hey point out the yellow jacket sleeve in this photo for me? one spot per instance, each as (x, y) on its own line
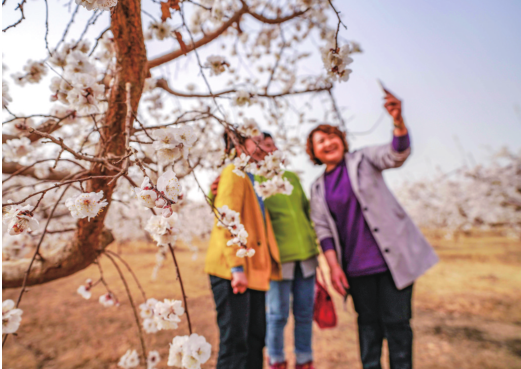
(231, 192)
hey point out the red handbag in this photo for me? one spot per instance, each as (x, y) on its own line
(324, 311)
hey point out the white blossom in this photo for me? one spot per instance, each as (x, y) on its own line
(147, 308)
(6, 97)
(176, 352)
(97, 4)
(163, 230)
(189, 352)
(273, 186)
(168, 185)
(153, 359)
(107, 300)
(146, 194)
(16, 149)
(86, 205)
(20, 220)
(84, 291)
(228, 217)
(242, 98)
(241, 164)
(150, 325)
(249, 128)
(216, 64)
(34, 72)
(78, 62)
(129, 360)
(11, 317)
(241, 253)
(186, 137)
(167, 313)
(335, 61)
(160, 30)
(240, 236)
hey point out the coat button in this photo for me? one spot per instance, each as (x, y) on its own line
(365, 208)
(387, 250)
(375, 230)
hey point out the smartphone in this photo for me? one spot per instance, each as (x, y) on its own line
(386, 91)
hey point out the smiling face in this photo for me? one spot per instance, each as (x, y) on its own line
(328, 148)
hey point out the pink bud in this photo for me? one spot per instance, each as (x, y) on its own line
(160, 202)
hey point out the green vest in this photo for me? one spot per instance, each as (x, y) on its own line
(291, 222)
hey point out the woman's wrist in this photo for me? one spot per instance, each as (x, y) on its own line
(399, 127)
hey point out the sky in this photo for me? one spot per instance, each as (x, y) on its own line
(455, 65)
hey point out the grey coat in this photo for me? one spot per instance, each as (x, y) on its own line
(406, 252)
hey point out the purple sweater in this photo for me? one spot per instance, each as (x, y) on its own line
(360, 252)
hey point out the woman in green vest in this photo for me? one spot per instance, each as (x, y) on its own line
(298, 250)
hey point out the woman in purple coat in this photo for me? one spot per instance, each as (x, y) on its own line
(374, 250)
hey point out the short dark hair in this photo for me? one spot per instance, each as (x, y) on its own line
(329, 129)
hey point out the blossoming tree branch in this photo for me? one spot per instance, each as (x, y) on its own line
(112, 160)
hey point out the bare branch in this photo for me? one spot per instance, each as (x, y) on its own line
(16, 169)
(182, 287)
(68, 26)
(338, 25)
(162, 83)
(21, 7)
(278, 20)
(132, 305)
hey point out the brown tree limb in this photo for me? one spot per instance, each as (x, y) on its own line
(277, 20)
(60, 262)
(163, 84)
(16, 169)
(209, 37)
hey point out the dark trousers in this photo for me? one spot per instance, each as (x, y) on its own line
(242, 326)
(383, 312)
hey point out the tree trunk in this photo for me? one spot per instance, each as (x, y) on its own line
(90, 238)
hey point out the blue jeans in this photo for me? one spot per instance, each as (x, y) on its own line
(278, 303)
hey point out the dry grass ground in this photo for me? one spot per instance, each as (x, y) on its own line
(467, 313)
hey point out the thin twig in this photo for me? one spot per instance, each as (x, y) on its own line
(68, 26)
(47, 26)
(338, 25)
(56, 186)
(21, 7)
(97, 40)
(337, 111)
(131, 272)
(133, 306)
(182, 288)
(277, 62)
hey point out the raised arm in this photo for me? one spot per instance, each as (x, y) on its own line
(394, 155)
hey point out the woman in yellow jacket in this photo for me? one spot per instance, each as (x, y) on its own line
(239, 284)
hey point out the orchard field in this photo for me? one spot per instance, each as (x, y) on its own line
(467, 312)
